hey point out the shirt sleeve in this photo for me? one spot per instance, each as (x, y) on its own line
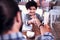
(39, 17)
(47, 36)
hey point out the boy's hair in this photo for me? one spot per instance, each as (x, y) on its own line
(8, 10)
(31, 3)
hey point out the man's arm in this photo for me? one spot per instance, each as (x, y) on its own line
(46, 33)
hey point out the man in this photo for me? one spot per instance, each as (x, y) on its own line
(10, 21)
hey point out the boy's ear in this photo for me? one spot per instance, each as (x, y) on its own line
(18, 17)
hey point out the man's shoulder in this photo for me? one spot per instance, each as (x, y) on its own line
(46, 36)
(13, 36)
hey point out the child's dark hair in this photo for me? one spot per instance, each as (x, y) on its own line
(31, 3)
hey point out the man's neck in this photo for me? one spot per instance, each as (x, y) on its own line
(10, 32)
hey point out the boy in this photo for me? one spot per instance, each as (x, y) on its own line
(29, 18)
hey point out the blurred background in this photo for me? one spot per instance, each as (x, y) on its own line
(49, 9)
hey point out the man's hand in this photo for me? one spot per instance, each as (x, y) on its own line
(44, 29)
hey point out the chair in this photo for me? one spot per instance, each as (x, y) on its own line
(54, 15)
(55, 22)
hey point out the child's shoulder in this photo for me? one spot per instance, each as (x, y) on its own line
(37, 14)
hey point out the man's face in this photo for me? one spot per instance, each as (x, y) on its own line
(18, 21)
(31, 10)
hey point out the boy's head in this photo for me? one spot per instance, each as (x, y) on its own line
(31, 6)
(10, 16)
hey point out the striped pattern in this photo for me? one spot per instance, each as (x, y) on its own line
(14, 36)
